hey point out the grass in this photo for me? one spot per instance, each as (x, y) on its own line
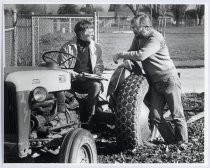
(186, 45)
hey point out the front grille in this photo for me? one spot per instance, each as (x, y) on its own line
(10, 109)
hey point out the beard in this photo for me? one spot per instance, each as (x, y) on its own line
(139, 35)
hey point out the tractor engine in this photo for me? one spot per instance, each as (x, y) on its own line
(52, 112)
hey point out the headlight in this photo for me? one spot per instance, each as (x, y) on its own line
(40, 94)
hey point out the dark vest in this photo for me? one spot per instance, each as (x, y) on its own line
(84, 56)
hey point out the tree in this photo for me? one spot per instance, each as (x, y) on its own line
(191, 14)
(88, 9)
(68, 9)
(114, 7)
(8, 11)
(99, 8)
(135, 8)
(200, 13)
(155, 11)
(178, 11)
(28, 9)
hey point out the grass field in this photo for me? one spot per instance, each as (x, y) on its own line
(186, 46)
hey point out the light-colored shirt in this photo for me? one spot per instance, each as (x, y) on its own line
(153, 52)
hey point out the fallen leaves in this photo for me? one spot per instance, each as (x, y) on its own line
(160, 152)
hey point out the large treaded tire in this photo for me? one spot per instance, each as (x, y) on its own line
(132, 126)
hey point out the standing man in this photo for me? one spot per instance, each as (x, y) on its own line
(149, 47)
(90, 55)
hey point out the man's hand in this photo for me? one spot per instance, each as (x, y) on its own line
(81, 77)
(115, 58)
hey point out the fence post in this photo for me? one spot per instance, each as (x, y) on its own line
(32, 39)
(151, 13)
(96, 27)
(15, 37)
(164, 30)
(159, 25)
(69, 25)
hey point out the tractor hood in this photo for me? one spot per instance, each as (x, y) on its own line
(28, 78)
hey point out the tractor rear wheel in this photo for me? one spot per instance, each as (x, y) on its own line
(132, 127)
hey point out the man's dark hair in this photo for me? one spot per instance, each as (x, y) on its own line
(82, 26)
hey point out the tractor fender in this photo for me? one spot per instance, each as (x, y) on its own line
(121, 73)
(117, 79)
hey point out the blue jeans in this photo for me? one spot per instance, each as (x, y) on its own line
(168, 91)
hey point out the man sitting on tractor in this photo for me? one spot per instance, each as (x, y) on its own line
(89, 56)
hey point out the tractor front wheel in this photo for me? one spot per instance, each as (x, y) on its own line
(78, 147)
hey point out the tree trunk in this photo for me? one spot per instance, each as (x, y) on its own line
(177, 22)
(200, 21)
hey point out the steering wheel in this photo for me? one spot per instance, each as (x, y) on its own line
(53, 56)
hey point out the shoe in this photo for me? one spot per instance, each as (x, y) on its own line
(182, 145)
(149, 144)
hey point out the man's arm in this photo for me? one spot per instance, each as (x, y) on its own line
(150, 48)
(99, 68)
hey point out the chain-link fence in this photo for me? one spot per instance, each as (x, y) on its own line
(27, 37)
(161, 24)
(51, 32)
(34, 34)
(123, 24)
(24, 40)
(9, 40)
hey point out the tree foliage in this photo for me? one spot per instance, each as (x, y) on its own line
(200, 12)
(153, 8)
(114, 7)
(191, 14)
(8, 11)
(135, 8)
(99, 8)
(178, 11)
(88, 9)
(155, 11)
(68, 9)
(28, 9)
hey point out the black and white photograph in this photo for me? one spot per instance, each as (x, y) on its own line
(104, 84)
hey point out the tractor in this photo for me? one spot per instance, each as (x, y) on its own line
(43, 113)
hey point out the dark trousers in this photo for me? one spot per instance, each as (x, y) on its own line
(90, 87)
(169, 91)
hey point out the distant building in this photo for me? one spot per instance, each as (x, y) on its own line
(169, 18)
(109, 19)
